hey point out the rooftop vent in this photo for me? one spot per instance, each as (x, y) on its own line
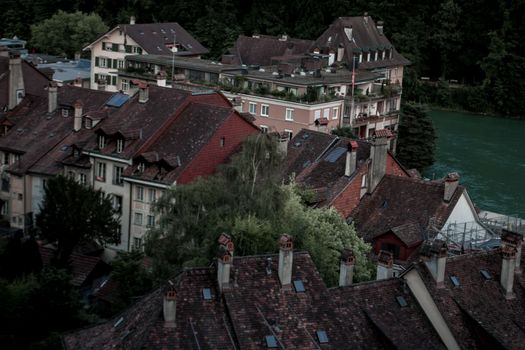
(299, 286)
(454, 280)
(322, 337)
(401, 301)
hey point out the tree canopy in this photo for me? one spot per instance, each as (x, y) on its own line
(72, 213)
(417, 139)
(247, 199)
(66, 33)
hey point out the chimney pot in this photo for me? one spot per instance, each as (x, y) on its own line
(285, 260)
(169, 308)
(224, 262)
(52, 90)
(435, 255)
(451, 184)
(346, 271)
(385, 261)
(378, 155)
(143, 92)
(77, 123)
(508, 265)
(132, 20)
(16, 80)
(351, 158)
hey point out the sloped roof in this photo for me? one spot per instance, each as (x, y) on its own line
(259, 50)
(397, 201)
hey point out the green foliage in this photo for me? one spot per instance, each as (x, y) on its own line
(72, 213)
(132, 277)
(417, 139)
(344, 131)
(246, 198)
(66, 33)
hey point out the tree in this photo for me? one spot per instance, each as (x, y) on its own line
(344, 131)
(72, 213)
(132, 277)
(66, 33)
(246, 198)
(447, 36)
(417, 138)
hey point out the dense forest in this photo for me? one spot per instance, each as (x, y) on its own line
(470, 49)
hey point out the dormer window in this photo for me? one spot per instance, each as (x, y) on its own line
(88, 123)
(120, 145)
(101, 141)
(65, 112)
(141, 167)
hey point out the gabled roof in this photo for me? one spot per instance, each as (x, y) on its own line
(358, 34)
(260, 49)
(398, 201)
(153, 38)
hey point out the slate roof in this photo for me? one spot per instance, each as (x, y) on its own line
(398, 201)
(365, 37)
(261, 49)
(153, 37)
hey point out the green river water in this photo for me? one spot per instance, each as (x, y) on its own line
(489, 155)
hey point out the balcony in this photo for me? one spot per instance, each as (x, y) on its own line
(364, 119)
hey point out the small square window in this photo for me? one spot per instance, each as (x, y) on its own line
(265, 110)
(206, 293)
(289, 114)
(271, 342)
(322, 337)
(253, 108)
(264, 129)
(299, 286)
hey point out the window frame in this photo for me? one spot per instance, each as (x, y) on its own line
(263, 107)
(138, 219)
(254, 105)
(289, 114)
(101, 171)
(117, 175)
(139, 193)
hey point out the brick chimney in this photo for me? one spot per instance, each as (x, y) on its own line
(451, 184)
(516, 240)
(77, 124)
(16, 80)
(169, 308)
(434, 253)
(346, 271)
(385, 260)
(508, 265)
(52, 93)
(224, 261)
(285, 260)
(351, 158)
(143, 92)
(377, 169)
(161, 78)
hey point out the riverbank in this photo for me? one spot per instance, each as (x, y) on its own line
(489, 154)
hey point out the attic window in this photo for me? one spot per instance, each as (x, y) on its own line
(454, 280)
(65, 112)
(401, 301)
(271, 342)
(88, 123)
(206, 293)
(299, 286)
(322, 337)
(141, 167)
(120, 145)
(101, 141)
(486, 275)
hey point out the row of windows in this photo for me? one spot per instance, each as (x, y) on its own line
(139, 220)
(121, 48)
(375, 56)
(105, 62)
(152, 194)
(102, 142)
(290, 112)
(108, 79)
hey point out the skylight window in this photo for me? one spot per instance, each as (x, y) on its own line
(401, 301)
(486, 275)
(271, 342)
(299, 286)
(322, 337)
(454, 280)
(206, 293)
(334, 155)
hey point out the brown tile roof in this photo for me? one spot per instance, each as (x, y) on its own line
(398, 201)
(365, 37)
(260, 50)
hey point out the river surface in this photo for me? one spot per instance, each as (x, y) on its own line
(489, 155)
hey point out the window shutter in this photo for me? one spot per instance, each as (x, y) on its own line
(96, 62)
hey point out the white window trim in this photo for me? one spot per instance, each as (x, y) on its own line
(289, 114)
(265, 114)
(254, 105)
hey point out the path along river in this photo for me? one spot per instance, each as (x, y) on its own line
(489, 155)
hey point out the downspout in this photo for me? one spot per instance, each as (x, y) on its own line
(129, 216)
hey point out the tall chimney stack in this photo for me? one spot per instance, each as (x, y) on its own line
(385, 261)
(52, 92)
(516, 240)
(169, 308)
(346, 271)
(451, 184)
(351, 158)
(143, 92)
(378, 154)
(508, 264)
(77, 124)
(285, 260)
(224, 261)
(379, 26)
(435, 255)
(16, 80)
(132, 20)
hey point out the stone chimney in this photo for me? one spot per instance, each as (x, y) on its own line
(16, 80)
(161, 78)
(52, 93)
(508, 265)
(451, 184)
(169, 308)
(380, 27)
(351, 158)
(331, 57)
(132, 20)
(340, 53)
(516, 240)
(434, 253)
(224, 261)
(377, 169)
(101, 84)
(77, 125)
(346, 272)
(385, 260)
(285, 260)
(143, 92)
